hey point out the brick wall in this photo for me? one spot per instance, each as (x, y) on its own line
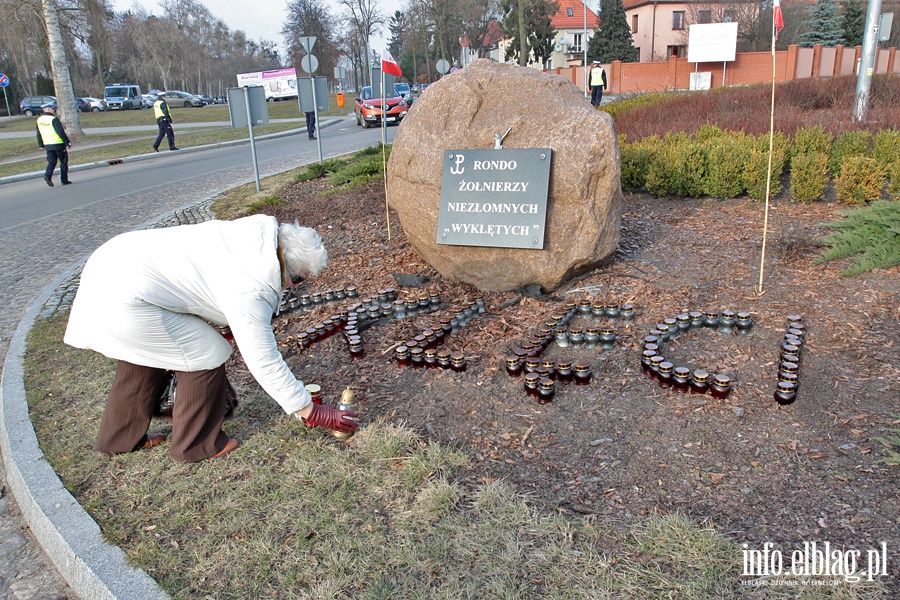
(747, 68)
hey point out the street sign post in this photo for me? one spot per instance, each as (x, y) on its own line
(4, 82)
(310, 63)
(247, 106)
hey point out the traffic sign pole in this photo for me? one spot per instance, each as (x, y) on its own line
(4, 82)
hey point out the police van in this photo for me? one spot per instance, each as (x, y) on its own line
(123, 96)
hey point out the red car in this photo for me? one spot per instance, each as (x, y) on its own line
(368, 109)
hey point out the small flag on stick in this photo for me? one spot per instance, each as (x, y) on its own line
(777, 18)
(390, 66)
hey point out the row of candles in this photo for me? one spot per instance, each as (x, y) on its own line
(789, 360)
(680, 378)
(541, 375)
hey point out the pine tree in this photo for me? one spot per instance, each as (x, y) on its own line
(853, 22)
(824, 26)
(612, 40)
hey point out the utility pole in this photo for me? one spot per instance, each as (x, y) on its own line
(867, 62)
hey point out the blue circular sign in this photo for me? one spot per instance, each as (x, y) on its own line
(4, 80)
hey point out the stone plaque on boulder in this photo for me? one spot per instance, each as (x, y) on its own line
(468, 110)
(494, 198)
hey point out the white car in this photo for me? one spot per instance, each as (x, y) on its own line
(97, 104)
(147, 100)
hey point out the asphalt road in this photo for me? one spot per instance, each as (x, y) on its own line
(44, 231)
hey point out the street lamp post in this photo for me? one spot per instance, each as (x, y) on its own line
(584, 47)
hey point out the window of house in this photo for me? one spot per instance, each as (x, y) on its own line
(704, 16)
(634, 23)
(569, 12)
(677, 51)
(728, 16)
(678, 19)
(576, 43)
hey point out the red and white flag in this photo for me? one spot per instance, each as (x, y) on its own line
(390, 66)
(777, 18)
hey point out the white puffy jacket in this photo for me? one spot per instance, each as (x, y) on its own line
(145, 297)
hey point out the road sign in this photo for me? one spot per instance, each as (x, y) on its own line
(309, 63)
(308, 41)
(442, 66)
(4, 80)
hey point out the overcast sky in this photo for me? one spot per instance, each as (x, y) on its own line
(263, 19)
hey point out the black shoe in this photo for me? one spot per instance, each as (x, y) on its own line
(48, 180)
(173, 148)
(66, 182)
(312, 137)
(156, 148)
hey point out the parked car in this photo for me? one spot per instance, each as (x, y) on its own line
(94, 104)
(403, 90)
(178, 98)
(123, 96)
(34, 105)
(206, 99)
(147, 100)
(368, 109)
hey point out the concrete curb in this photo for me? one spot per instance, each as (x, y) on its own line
(69, 536)
(72, 540)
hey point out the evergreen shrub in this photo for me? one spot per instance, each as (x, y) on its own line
(886, 148)
(662, 174)
(636, 160)
(871, 234)
(727, 161)
(860, 181)
(809, 175)
(690, 169)
(812, 139)
(847, 144)
(757, 168)
(895, 180)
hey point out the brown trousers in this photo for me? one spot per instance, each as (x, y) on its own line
(196, 419)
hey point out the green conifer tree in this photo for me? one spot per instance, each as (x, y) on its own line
(853, 22)
(823, 26)
(612, 40)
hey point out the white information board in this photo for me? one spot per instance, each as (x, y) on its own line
(712, 42)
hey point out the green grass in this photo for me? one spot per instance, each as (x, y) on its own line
(106, 146)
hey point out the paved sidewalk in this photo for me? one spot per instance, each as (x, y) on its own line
(50, 549)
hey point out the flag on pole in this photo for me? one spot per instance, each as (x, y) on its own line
(390, 66)
(777, 18)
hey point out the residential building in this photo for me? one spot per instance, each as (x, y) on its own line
(659, 28)
(574, 23)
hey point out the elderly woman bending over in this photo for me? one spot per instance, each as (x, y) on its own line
(148, 299)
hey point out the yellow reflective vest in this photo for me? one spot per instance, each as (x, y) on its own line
(598, 77)
(48, 133)
(158, 112)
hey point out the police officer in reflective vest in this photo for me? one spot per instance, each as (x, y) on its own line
(52, 137)
(598, 83)
(164, 122)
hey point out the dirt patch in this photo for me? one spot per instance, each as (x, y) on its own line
(622, 446)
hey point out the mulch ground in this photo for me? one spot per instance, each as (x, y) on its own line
(622, 446)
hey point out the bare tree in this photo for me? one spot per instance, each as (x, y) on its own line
(365, 17)
(745, 13)
(62, 81)
(312, 18)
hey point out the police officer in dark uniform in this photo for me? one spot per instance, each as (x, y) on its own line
(164, 122)
(51, 136)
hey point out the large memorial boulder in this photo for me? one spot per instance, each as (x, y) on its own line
(465, 111)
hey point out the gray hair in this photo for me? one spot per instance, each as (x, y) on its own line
(302, 249)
